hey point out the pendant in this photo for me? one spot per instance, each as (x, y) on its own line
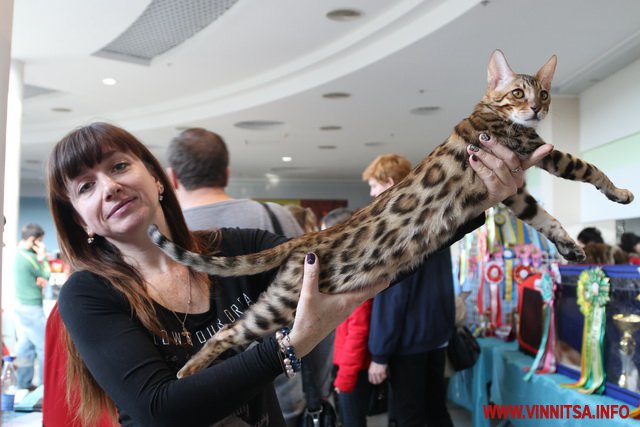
(187, 336)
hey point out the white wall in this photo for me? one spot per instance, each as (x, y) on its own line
(610, 109)
(355, 192)
(610, 138)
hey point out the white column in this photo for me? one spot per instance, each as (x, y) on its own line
(12, 179)
(6, 21)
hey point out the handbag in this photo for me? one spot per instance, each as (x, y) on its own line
(463, 349)
(379, 399)
(319, 412)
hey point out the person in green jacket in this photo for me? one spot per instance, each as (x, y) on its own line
(32, 271)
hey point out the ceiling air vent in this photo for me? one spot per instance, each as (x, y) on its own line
(29, 91)
(163, 25)
(422, 111)
(259, 124)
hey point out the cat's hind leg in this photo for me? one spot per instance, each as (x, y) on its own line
(566, 166)
(526, 208)
(275, 308)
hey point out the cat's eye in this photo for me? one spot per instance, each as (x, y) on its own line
(518, 93)
(544, 95)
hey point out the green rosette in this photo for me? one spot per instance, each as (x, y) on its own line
(592, 295)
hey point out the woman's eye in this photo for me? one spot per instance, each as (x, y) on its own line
(544, 95)
(518, 93)
(120, 166)
(84, 188)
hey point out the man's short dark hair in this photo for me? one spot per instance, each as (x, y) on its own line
(590, 235)
(200, 159)
(337, 216)
(32, 230)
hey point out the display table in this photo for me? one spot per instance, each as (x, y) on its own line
(498, 377)
(470, 388)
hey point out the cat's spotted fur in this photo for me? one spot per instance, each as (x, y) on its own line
(410, 220)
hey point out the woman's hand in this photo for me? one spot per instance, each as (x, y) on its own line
(318, 314)
(377, 372)
(501, 169)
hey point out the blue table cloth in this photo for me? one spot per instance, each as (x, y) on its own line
(498, 377)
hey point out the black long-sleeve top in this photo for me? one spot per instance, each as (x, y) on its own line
(138, 370)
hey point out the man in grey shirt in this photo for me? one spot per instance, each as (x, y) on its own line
(199, 171)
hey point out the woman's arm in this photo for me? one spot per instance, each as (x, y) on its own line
(122, 357)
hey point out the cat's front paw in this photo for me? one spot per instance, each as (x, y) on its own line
(571, 251)
(621, 196)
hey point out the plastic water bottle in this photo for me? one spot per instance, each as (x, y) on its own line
(9, 383)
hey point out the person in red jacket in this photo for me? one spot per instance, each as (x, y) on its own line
(56, 411)
(352, 357)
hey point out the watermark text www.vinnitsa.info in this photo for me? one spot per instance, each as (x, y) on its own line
(550, 412)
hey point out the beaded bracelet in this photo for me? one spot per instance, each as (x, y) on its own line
(291, 363)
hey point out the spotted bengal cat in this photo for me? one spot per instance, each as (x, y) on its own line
(410, 220)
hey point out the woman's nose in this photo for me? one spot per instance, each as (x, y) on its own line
(111, 187)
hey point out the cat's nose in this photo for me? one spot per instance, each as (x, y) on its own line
(535, 108)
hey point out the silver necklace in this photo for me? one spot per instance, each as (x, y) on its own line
(185, 333)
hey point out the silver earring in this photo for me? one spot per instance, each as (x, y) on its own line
(161, 197)
(90, 239)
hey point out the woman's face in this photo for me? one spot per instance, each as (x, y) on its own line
(377, 187)
(117, 198)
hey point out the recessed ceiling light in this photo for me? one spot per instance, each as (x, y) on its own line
(344, 15)
(374, 144)
(336, 95)
(61, 109)
(109, 81)
(327, 147)
(181, 128)
(259, 124)
(287, 158)
(421, 111)
(330, 127)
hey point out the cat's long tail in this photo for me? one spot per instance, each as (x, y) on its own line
(223, 266)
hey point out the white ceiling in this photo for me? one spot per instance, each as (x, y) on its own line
(273, 60)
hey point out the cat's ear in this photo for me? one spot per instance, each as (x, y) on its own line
(499, 73)
(545, 74)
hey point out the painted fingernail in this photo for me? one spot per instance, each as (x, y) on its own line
(474, 157)
(311, 258)
(484, 137)
(474, 148)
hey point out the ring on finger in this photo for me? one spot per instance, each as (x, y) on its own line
(516, 170)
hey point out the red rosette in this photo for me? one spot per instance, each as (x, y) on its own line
(493, 272)
(521, 272)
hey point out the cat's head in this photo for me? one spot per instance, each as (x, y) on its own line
(521, 98)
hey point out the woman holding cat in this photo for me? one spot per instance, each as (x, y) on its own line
(134, 316)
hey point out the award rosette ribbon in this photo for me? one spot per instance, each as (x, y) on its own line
(545, 360)
(593, 296)
(494, 274)
(508, 255)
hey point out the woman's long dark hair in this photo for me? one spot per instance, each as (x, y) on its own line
(82, 148)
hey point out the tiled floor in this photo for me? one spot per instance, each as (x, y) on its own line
(460, 417)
